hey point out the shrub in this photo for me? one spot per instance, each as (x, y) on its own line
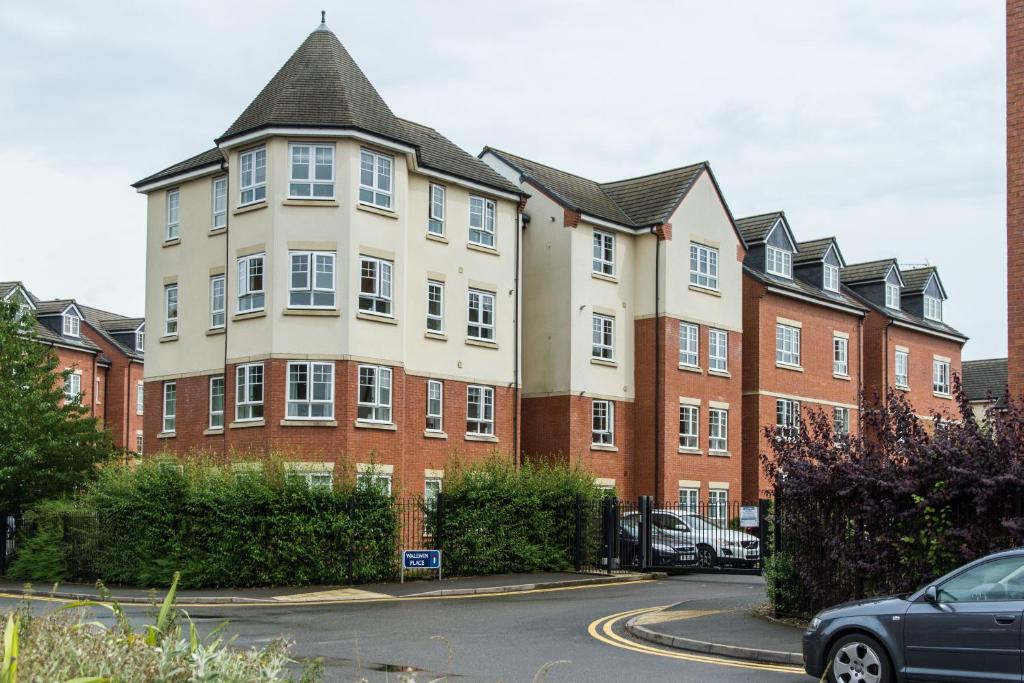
(42, 555)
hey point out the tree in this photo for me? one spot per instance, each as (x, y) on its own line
(48, 446)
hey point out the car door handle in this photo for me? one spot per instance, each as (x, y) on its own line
(1005, 619)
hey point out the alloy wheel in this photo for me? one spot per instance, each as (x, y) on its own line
(705, 557)
(857, 663)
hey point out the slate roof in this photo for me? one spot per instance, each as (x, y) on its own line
(8, 287)
(903, 316)
(985, 378)
(109, 324)
(755, 229)
(915, 279)
(321, 86)
(812, 250)
(870, 271)
(633, 202)
(798, 286)
(52, 307)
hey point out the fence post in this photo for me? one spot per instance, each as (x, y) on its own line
(7, 542)
(764, 509)
(439, 523)
(577, 546)
(351, 538)
(608, 519)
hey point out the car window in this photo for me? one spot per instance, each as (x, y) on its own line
(1001, 579)
(701, 523)
(668, 522)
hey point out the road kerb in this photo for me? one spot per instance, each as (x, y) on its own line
(544, 585)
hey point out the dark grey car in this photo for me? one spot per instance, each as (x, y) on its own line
(965, 626)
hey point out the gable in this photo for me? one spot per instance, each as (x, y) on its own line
(832, 257)
(780, 237)
(18, 296)
(893, 277)
(934, 288)
(71, 309)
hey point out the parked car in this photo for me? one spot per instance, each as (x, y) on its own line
(715, 545)
(965, 626)
(668, 549)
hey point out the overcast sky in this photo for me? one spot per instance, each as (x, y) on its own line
(880, 123)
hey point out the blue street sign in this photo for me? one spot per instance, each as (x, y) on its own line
(421, 559)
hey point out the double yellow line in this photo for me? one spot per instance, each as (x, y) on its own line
(603, 629)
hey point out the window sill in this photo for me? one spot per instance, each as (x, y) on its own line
(608, 448)
(174, 241)
(166, 435)
(217, 231)
(168, 338)
(900, 387)
(386, 426)
(691, 368)
(482, 343)
(720, 373)
(296, 201)
(605, 362)
(842, 377)
(437, 336)
(690, 451)
(246, 208)
(482, 249)
(720, 454)
(482, 437)
(262, 313)
(437, 238)
(377, 318)
(430, 434)
(787, 366)
(293, 422)
(939, 394)
(387, 213)
(705, 290)
(603, 276)
(323, 312)
(214, 331)
(213, 431)
(245, 424)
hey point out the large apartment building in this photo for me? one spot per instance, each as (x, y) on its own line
(103, 351)
(802, 339)
(632, 320)
(332, 283)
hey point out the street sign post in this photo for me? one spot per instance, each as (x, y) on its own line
(749, 517)
(421, 559)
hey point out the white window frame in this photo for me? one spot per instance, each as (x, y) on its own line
(689, 344)
(71, 325)
(216, 417)
(140, 397)
(218, 312)
(369, 480)
(140, 340)
(718, 430)
(432, 488)
(787, 345)
(483, 423)
(689, 426)
(249, 298)
(602, 422)
(138, 441)
(718, 507)
(787, 417)
(379, 300)
(892, 296)
(779, 262)
(841, 356)
(703, 266)
(718, 350)
(248, 377)
(252, 176)
(435, 321)
(482, 221)
(902, 378)
(840, 420)
(312, 183)
(436, 209)
(689, 500)
(375, 193)
(380, 385)
(171, 314)
(941, 377)
(98, 392)
(435, 418)
(296, 405)
(830, 277)
(170, 403)
(73, 387)
(932, 308)
(477, 326)
(602, 346)
(313, 479)
(219, 188)
(604, 253)
(173, 214)
(314, 261)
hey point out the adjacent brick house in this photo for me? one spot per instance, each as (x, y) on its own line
(801, 338)
(333, 283)
(105, 352)
(984, 383)
(632, 329)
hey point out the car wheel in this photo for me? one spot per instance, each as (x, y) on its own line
(706, 557)
(859, 658)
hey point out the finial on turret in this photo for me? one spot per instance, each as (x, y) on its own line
(323, 16)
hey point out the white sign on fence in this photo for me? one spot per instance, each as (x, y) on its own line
(749, 517)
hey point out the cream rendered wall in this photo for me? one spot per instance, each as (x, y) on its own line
(188, 262)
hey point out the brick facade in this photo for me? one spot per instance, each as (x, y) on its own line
(1015, 190)
(88, 366)
(118, 391)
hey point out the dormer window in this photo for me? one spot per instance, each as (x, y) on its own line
(932, 308)
(140, 339)
(780, 262)
(72, 325)
(830, 278)
(892, 296)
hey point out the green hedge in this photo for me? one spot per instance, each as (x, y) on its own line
(498, 519)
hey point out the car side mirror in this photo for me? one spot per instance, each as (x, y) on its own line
(931, 594)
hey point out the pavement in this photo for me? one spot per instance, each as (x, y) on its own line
(720, 626)
(412, 588)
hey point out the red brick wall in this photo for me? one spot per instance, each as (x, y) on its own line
(84, 363)
(406, 447)
(118, 391)
(1015, 190)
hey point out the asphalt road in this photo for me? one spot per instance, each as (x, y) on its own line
(494, 638)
